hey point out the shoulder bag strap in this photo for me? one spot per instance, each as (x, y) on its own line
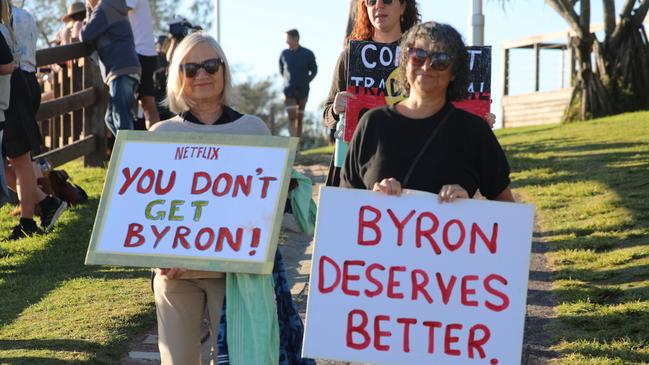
(430, 139)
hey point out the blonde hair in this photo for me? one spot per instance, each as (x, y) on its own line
(6, 18)
(177, 101)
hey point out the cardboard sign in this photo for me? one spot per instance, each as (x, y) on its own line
(196, 201)
(406, 280)
(373, 80)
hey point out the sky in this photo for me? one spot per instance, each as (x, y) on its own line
(253, 35)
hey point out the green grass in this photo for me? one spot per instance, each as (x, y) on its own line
(590, 184)
(55, 310)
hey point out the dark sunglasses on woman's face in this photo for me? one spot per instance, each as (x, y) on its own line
(373, 2)
(210, 66)
(439, 61)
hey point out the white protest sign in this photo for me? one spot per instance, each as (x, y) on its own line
(196, 201)
(406, 280)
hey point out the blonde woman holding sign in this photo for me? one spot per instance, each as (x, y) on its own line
(424, 143)
(199, 89)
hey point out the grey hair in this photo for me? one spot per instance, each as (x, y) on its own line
(177, 101)
(447, 39)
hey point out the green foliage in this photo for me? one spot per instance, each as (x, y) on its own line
(589, 182)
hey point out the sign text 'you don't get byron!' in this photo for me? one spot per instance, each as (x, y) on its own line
(407, 280)
(197, 201)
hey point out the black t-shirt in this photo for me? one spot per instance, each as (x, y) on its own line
(465, 152)
(229, 115)
(5, 52)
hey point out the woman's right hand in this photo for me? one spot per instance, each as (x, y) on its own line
(340, 101)
(170, 274)
(390, 186)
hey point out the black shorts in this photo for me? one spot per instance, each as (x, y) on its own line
(149, 65)
(300, 103)
(21, 134)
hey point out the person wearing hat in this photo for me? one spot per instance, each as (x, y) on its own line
(73, 24)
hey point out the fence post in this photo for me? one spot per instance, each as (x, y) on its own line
(93, 117)
(76, 83)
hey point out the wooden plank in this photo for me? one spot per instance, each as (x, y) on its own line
(65, 104)
(70, 152)
(76, 84)
(93, 116)
(60, 54)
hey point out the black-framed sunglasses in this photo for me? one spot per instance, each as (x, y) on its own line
(439, 61)
(373, 2)
(210, 66)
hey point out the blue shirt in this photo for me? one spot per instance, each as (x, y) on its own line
(298, 68)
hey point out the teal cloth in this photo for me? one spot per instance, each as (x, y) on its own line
(303, 206)
(251, 313)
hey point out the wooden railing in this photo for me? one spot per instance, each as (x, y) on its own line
(72, 124)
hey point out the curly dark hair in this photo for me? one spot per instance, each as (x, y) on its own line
(363, 29)
(449, 40)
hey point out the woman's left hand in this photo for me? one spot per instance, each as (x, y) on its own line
(490, 118)
(390, 186)
(448, 193)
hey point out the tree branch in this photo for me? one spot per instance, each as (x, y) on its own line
(640, 13)
(609, 18)
(567, 12)
(584, 17)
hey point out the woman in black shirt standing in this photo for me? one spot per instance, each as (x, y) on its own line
(424, 143)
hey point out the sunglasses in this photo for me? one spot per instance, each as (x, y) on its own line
(210, 66)
(369, 3)
(439, 61)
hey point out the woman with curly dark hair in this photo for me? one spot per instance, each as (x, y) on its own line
(423, 142)
(381, 21)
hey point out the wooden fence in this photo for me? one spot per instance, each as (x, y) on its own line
(72, 124)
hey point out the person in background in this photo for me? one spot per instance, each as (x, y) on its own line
(109, 31)
(423, 142)
(381, 21)
(6, 68)
(298, 68)
(139, 15)
(73, 23)
(22, 139)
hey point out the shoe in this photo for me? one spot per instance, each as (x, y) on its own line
(25, 228)
(51, 209)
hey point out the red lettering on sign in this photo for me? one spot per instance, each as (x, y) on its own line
(446, 290)
(347, 277)
(134, 230)
(449, 339)
(427, 233)
(159, 235)
(201, 175)
(477, 343)
(400, 224)
(447, 227)
(321, 279)
(491, 290)
(466, 291)
(371, 279)
(420, 286)
(393, 283)
(371, 224)
(359, 329)
(378, 333)
(406, 322)
(130, 178)
(491, 242)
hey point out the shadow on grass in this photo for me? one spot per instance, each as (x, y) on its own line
(622, 167)
(60, 261)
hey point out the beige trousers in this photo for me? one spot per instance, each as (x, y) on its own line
(180, 304)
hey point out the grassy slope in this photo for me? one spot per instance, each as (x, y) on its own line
(590, 184)
(55, 310)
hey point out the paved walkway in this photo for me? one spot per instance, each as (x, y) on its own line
(297, 250)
